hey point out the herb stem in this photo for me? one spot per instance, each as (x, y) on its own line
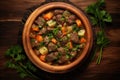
(100, 55)
(28, 72)
(25, 70)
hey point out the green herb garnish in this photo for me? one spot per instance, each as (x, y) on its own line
(56, 30)
(99, 17)
(19, 61)
(101, 42)
(50, 35)
(97, 14)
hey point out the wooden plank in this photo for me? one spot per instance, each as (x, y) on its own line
(15, 9)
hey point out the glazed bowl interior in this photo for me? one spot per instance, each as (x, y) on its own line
(26, 40)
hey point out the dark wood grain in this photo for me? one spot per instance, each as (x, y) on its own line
(11, 12)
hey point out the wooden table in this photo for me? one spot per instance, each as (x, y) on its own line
(11, 12)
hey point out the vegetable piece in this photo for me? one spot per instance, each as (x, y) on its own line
(81, 32)
(51, 23)
(83, 40)
(39, 38)
(42, 58)
(70, 45)
(78, 22)
(64, 30)
(68, 35)
(54, 40)
(43, 50)
(66, 14)
(48, 16)
(69, 29)
(35, 28)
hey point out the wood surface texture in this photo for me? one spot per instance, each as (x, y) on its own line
(11, 13)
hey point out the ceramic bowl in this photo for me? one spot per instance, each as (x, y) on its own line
(31, 54)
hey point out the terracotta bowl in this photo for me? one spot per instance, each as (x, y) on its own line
(34, 58)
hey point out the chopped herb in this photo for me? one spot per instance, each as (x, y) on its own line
(56, 30)
(66, 13)
(41, 44)
(68, 56)
(76, 48)
(50, 35)
(75, 28)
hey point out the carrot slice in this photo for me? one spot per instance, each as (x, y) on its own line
(35, 28)
(83, 40)
(48, 16)
(70, 45)
(78, 22)
(39, 38)
(42, 57)
(54, 40)
(64, 30)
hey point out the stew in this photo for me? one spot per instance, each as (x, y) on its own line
(57, 37)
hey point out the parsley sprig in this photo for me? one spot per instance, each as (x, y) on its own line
(99, 17)
(19, 61)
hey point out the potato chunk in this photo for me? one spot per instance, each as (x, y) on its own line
(43, 50)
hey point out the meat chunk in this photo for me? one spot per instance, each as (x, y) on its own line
(37, 52)
(54, 18)
(59, 16)
(59, 34)
(52, 47)
(64, 40)
(60, 19)
(51, 57)
(72, 17)
(70, 21)
(58, 12)
(74, 37)
(50, 28)
(43, 30)
(40, 21)
(63, 59)
(46, 40)
(73, 53)
(61, 50)
(35, 43)
(32, 35)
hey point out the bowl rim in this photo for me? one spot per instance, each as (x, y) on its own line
(26, 41)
